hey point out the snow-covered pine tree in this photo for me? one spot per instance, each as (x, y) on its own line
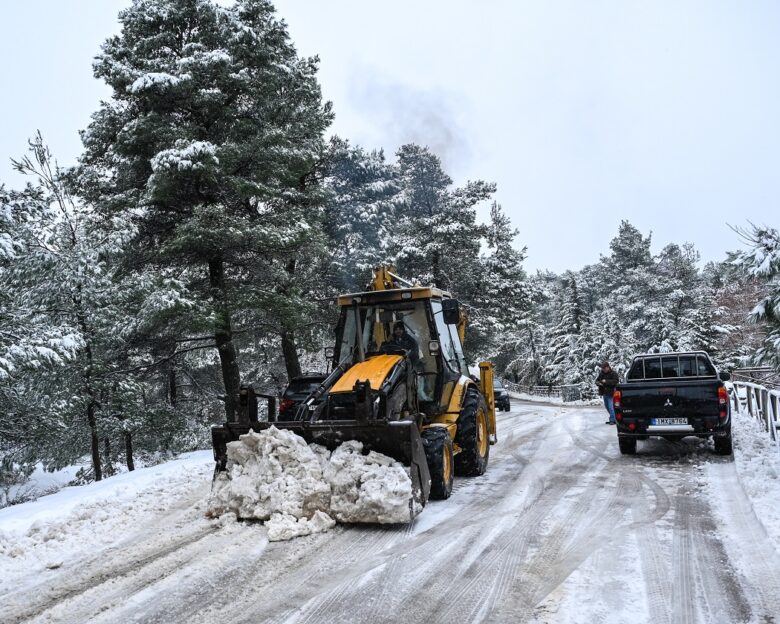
(565, 365)
(686, 323)
(209, 144)
(61, 277)
(359, 213)
(436, 238)
(762, 262)
(504, 297)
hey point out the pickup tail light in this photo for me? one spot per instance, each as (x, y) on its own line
(723, 401)
(617, 399)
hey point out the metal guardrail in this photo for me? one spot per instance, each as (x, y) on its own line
(761, 403)
(565, 393)
(760, 375)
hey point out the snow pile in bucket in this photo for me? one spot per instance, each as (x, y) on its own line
(366, 488)
(299, 489)
(273, 471)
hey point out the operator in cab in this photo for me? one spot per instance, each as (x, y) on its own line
(402, 338)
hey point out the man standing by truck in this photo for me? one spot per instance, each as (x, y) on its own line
(606, 382)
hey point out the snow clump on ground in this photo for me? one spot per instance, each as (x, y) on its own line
(302, 489)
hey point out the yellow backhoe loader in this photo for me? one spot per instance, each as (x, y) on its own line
(400, 384)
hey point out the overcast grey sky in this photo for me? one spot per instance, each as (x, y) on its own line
(585, 113)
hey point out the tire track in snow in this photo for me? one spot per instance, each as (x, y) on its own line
(564, 545)
(89, 580)
(469, 597)
(655, 571)
(721, 592)
(475, 507)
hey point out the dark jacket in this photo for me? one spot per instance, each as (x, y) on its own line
(610, 380)
(408, 343)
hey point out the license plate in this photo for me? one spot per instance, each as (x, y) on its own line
(669, 421)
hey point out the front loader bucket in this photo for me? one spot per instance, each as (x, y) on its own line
(399, 439)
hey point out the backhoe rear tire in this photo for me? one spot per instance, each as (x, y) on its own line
(438, 453)
(473, 436)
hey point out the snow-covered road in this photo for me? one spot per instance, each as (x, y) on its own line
(560, 529)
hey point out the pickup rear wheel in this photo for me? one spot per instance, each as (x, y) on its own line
(627, 446)
(723, 444)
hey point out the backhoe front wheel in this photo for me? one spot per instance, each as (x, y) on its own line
(438, 453)
(473, 436)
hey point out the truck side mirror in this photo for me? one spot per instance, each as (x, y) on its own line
(724, 376)
(329, 353)
(433, 347)
(451, 311)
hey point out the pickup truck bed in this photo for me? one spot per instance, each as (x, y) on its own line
(687, 398)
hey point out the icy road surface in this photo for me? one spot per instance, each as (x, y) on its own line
(560, 529)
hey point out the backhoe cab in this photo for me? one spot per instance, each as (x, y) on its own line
(413, 400)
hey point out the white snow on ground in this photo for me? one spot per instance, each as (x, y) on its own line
(40, 483)
(555, 400)
(757, 462)
(79, 520)
(273, 475)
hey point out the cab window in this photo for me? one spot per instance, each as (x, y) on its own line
(670, 366)
(704, 366)
(449, 354)
(653, 368)
(637, 370)
(687, 366)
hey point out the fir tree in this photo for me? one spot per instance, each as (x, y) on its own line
(503, 298)
(210, 145)
(436, 237)
(762, 262)
(360, 212)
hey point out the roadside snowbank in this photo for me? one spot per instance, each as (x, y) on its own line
(40, 483)
(302, 489)
(757, 461)
(78, 521)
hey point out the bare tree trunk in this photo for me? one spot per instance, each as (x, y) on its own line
(129, 451)
(95, 441)
(109, 466)
(438, 280)
(172, 388)
(223, 336)
(289, 348)
(87, 379)
(290, 352)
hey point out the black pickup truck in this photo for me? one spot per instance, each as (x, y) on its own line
(673, 395)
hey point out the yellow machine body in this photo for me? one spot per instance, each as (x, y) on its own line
(423, 409)
(373, 370)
